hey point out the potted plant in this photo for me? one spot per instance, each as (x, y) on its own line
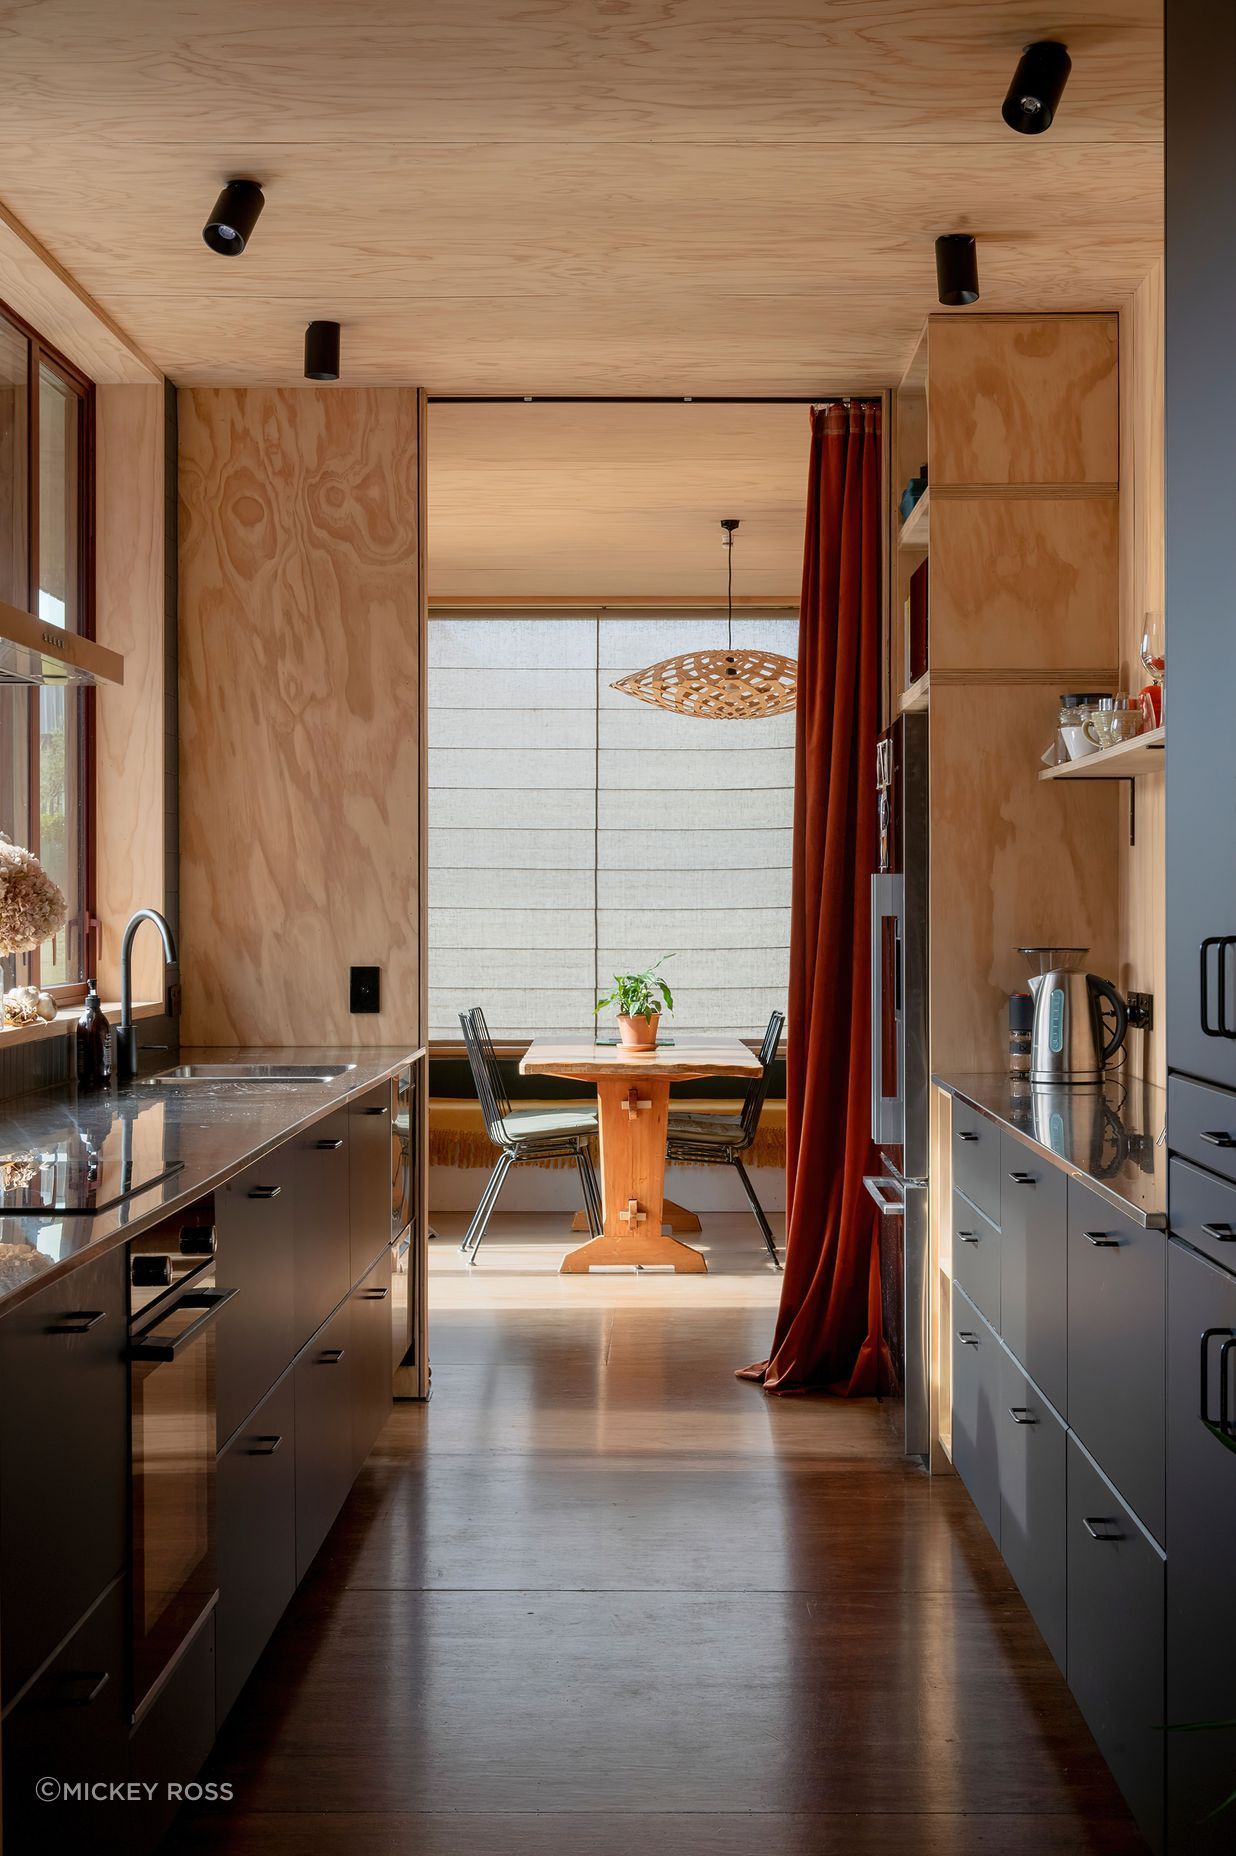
(639, 998)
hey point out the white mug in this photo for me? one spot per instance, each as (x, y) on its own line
(1077, 743)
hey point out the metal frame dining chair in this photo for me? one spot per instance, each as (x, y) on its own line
(722, 1140)
(523, 1133)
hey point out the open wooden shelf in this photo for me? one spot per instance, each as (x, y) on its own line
(916, 699)
(1126, 761)
(915, 528)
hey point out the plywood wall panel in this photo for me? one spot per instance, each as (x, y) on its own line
(1020, 399)
(300, 756)
(130, 738)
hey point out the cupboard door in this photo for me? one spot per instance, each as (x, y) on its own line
(1034, 1266)
(1201, 1529)
(72, 1722)
(322, 1274)
(976, 1382)
(371, 1357)
(254, 1222)
(323, 1380)
(976, 1258)
(256, 1496)
(1202, 1210)
(1117, 1338)
(1032, 1498)
(64, 1456)
(370, 1184)
(976, 1158)
(1115, 1637)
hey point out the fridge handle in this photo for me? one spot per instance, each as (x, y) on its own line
(886, 1195)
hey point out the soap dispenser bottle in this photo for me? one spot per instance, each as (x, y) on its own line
(94, 1043)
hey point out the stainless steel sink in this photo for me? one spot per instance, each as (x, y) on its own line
(251, 1073)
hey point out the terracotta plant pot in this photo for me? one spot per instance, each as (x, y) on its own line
(639, 1033)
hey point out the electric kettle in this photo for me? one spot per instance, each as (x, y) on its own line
(1072, 1037)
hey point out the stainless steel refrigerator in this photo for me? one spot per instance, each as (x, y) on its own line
(899, 1066)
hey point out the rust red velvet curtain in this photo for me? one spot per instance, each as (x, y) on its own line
(829, 1333)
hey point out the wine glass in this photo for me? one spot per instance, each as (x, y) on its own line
(1153, 656)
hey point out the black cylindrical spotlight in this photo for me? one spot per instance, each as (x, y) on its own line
(322, 351)
(956, 269)
(236, 212)
(1037, 87)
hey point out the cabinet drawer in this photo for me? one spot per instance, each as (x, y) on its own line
(323, 1389)
(1034, 1267)
(1201, 1527)
(1115, 1637)
(371, 1357)
(370, 1184)
(323, 1273)
(976, 1389)
(1202, 1210)
(254, 1220)
(173, 1738)
(1201, 1124)
(73, 1721)
(976, 1158)
(64, 1455)
(1117, 1337)
(976, 1258)
(1033, 1476)
(256, 1495)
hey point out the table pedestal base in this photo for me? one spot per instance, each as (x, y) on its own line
(633, 1117)
(675, 1218)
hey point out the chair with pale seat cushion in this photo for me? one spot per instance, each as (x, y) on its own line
(722, 1140)
(523, 1133)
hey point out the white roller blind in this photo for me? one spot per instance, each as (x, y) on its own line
(574, 831)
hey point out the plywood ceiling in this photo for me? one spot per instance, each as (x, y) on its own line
(604, 503)
(575, 195)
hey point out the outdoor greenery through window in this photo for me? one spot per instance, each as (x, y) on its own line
(44, 569)
(575, 832)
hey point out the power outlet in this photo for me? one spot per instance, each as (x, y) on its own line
(1141, 1010)
(365, 989)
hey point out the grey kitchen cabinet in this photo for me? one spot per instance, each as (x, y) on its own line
(369, 1174)
(371, 1356)
(1201, 1536)
(64, 1403)
(1117, 1289)
(976, 1257)
(320, 1198)
(1203, 1211)
(72, 1722)
(255, 1336)
(256, 1507)
(174, 1736)
(976, 1158)
(1203, 1124)
(1115, 1637)
(324, 1461)
(976, 1391)
(1034, 1267)
(1033, 1483)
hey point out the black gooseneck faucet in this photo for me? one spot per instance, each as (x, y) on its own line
(126, 1033)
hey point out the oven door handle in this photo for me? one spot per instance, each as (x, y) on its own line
(887, 1195)
(210, 1301)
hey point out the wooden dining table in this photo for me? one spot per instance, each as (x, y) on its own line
(633, 1090)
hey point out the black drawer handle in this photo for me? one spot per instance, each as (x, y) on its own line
(265, 1192)
(1102, 1240)
(85, 1688)
(963, 1134)
(78, 1321)
(264, 1446)
(1229, 1338)
(1217, 1137)
(377, 1295)
(966, 1338)
(381, 1110)
(328, 1147)
(1220, 1029)
(968, 1237)
(1022, 1414)
(1092, 1523)
(1222, 1233)
(331, 1356)
(1024, 1179)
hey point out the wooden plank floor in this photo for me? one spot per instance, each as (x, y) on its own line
(600, 1597)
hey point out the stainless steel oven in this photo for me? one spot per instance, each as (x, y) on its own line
(174, 1302)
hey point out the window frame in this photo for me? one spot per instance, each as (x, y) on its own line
(41, 352)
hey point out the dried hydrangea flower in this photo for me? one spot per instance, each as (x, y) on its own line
(32, 907)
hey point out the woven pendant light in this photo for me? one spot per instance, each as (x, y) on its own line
(730, 685)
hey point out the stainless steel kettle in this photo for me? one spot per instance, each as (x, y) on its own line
(1073, 1037)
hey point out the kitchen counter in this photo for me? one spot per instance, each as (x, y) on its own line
(207, 1132)
(1111, 1138)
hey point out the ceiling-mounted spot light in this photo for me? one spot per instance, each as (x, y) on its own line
(956, 269)
(1037, 87)
(322, 351)
(236, 212)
